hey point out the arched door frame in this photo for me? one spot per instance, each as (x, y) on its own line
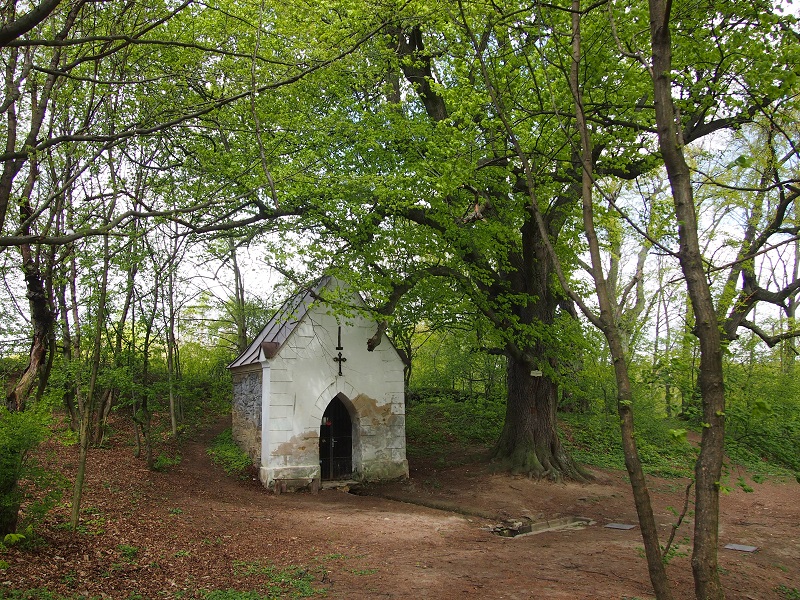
(336, 441)
(344, 392)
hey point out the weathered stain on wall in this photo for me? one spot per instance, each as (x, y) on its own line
(302, 449)
(382, 439)
(370, 412)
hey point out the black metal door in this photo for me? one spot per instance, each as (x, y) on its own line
(336, 442)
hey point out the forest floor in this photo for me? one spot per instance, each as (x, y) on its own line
(191, 529)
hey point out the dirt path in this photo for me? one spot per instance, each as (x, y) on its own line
(177, 533)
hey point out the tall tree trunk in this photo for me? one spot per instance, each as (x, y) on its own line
(708, 468)
(616, 336)
(239, 307)
(142, 414)
(88, 406)
(529, 440)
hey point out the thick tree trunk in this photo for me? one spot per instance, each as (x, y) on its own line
(529, 442)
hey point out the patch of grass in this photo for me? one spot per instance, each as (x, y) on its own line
(754, 461)
(788, 593)
(129, 553)
(227, 454)
(217, 541)
(70, 578)
(233, 595)
(291, 582)
(92, 526)
(40, 594)
(164, 462)
(364, 571)
(332, 556)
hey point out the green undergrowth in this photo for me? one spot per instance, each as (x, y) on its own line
(595, 439)
(274, 583)
(440, 425)
(755, 460)
(227, 454)
(286, 582)
(437, 424)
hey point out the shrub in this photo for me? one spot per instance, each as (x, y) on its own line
(225, 453)
(20, 432)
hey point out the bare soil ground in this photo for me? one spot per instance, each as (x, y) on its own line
(179, 533)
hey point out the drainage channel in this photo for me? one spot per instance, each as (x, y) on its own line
(443, 505)
(509, 528)
(520, 528)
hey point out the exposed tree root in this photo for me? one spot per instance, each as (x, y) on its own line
(543, 464)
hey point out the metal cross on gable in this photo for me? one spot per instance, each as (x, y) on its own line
(339, 358)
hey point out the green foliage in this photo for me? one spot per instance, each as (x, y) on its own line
(676, 550)
(95, 524)
(128, 552)
(227, 454)
(40, 594)
(12, 538)
(164, 461)
(206, 382)
(287, 582)
(20, 433)
(234, 595)
(456, 359)
(595, 440)
(763, 418)
(435, 422)
(787, 593)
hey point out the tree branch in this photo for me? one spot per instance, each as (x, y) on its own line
(19, 27)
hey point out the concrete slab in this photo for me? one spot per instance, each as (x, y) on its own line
(624, 526)
(741, 547)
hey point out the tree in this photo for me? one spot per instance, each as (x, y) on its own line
(707, 326)
(437, 183)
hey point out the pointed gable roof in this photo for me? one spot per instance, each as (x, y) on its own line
(281, 325)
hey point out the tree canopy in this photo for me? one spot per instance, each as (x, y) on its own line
(523, 170)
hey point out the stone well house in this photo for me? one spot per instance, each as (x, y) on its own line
(311, 402)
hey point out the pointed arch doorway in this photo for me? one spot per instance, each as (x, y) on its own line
(336, 442)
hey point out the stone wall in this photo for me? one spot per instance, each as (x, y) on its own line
(246, 415)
